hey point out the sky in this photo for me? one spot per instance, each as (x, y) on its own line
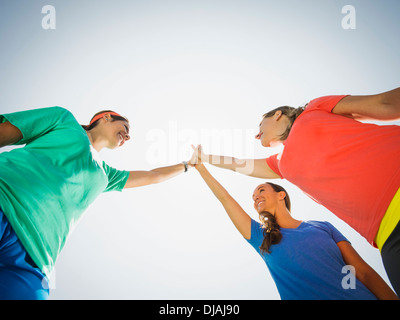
(187, 72)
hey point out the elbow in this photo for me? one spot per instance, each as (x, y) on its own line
(390, 112)
(362, 277)
(390, 105)
(154, 177)
(366, 276)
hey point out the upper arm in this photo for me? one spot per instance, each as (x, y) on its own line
(141, 178)
(370, 107)
(9, 134)
(368, 276)
(239, 217)
(258, 168)
(35, 123)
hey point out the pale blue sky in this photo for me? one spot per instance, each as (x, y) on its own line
(187, 72)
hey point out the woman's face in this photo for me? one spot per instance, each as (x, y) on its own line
(271, 129)
(117, 132)
(265, 198)
(263, 133)
(267, 132)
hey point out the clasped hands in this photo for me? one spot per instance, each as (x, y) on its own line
(198, 156)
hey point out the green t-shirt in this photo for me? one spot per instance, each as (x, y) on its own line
(47, 185)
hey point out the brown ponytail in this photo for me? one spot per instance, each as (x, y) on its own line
(290, 112)
(272, 230)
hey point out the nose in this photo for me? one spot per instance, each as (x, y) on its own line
(127, 137)
(258, 136)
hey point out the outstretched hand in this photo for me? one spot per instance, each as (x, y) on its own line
(196, 158)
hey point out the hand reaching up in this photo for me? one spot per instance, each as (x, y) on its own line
(197, 155)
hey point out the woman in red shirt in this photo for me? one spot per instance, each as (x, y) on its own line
(350, 167)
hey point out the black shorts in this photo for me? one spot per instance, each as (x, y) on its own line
(391, 258)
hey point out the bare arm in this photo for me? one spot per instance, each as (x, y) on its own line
(9, 134)
(239, 217)
(144, 178)
(251, 167)
(384, 106)
(368, 276)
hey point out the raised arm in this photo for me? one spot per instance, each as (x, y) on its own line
(239, 217)
(384, 106)
(365, 273)
(143, 178)
(250, 167)
(9, 134)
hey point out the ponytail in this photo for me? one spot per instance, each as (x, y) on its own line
(271, 231)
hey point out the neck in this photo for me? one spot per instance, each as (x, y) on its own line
(95, 139)
(285, 220)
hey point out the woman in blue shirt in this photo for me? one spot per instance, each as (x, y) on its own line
(307, 260)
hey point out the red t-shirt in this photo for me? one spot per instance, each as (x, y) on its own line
(349, 167)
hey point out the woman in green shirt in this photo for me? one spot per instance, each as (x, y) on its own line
(47, 185)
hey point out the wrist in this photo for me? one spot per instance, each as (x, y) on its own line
(185, 165)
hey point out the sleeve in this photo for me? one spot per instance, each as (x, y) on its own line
(337, 236)
(116, 178)
(257, 235)
(326, 103)
(36, 122)
(273, 163)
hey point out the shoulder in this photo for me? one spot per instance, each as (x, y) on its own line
(39, 118)
(325, 103)
(328, 228)
(61, 111)
(320, 224)
(60, 115)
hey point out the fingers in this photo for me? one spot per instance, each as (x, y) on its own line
(196, 157)
(196, 148)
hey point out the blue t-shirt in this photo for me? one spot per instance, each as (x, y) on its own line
(307, 264)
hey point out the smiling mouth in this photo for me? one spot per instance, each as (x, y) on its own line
(121, 138)
(260, 204)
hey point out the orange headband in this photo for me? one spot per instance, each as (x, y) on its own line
(99, 116)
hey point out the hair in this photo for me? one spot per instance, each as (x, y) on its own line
(272, 232)
(290, 112)
(94, 124)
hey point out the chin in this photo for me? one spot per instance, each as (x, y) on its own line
(265, 144)
(260, 210)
